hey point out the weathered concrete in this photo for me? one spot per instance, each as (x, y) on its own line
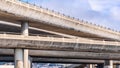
(44, 19)
(22, 52)
(9, 11)
(75, 55)
(19, 58)
(15, 28)
(30, 62)
(26, 60)
(65, 60)
(66, 54)
(50, 43)
(25, 32)
(24, 28)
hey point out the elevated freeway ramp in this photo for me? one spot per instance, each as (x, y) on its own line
(85, 41)
(16, 11)
(53, 43)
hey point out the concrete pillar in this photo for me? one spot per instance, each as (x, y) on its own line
(18, 58)
(25, 32)
(114, 66)
(90, 66)
(21, 55)
(24, 28)
(30, 62)
(26, 58)
(108, 64)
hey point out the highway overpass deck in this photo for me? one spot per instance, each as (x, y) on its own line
(55, 47)
(55, 43)
(16, 11)
(64, 54)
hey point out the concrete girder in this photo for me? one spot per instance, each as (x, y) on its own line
(62, 44)
(66, 54)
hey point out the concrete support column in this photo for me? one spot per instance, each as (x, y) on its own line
(21, 55)
(26, 58)
(30, 62)
(24, 28)
(18, 58)
(25, 32)
(90, 65)
(108, 64)
(114, 66)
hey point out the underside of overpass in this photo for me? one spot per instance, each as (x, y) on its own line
(81, 40)
(47, 27)
(15, 28)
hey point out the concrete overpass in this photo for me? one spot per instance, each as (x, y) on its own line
(80, 48)
(10, 28)
(48, 20)
(22, 13)
(52, 43)
(65, 54)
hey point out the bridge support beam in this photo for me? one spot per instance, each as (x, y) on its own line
(108, 64)
(22, 61)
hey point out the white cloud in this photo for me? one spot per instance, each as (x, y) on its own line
(115, 13)
(103, 5)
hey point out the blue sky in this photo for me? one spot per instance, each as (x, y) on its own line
(101, 12)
